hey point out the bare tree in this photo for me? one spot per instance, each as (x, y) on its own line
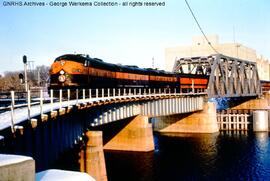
(10, 81)
(44, 74)
(38, 77)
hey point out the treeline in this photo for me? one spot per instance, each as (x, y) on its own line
(38, 77)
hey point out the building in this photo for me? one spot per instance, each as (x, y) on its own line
(200, 47)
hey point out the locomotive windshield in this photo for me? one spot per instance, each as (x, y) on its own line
(75, 58)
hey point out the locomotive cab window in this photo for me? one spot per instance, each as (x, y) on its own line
(74, 58)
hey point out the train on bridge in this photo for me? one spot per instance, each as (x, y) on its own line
(72, 71)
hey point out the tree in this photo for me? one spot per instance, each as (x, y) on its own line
(43, 74)
(10, 81)
(38, 77)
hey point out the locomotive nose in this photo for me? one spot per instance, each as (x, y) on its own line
(62, 76)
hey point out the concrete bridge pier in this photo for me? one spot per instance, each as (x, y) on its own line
(204, 121)
(92, 159)
(135, 136)
(260, 120)
(260, 109)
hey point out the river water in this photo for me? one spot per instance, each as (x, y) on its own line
(222, 156)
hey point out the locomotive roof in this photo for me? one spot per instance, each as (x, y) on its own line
(98, 63)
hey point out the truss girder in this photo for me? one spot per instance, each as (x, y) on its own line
(228, 77)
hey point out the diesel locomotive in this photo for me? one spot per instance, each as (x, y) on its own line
(75, 71)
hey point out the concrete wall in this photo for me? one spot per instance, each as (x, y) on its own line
(136, 136)
(254, 104)
(204, 121)
(17, 168)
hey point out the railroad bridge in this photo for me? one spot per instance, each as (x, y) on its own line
(228, 77)
(64, 121)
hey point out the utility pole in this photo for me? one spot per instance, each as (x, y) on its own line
(25, 73)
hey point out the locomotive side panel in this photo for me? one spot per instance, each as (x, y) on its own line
(125, 79)
(162, 81)
(99, 78)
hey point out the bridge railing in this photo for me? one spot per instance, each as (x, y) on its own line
(23, 99)
(56, 99)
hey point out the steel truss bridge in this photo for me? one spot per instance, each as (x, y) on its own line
(228, 76)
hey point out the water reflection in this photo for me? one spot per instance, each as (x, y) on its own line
(221, 156)
(262, 141)
(262, 154)
(129, 165)
(196, 155)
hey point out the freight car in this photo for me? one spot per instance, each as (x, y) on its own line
(75, 71)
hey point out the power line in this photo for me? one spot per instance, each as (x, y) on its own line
(209, 43)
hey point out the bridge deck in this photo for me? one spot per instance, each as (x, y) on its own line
(21, 114)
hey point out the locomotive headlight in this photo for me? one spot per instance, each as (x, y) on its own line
(62, 78)
(62, 72)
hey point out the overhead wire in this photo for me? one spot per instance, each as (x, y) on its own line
(198, 24)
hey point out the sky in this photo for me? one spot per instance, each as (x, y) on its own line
(125, 34)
